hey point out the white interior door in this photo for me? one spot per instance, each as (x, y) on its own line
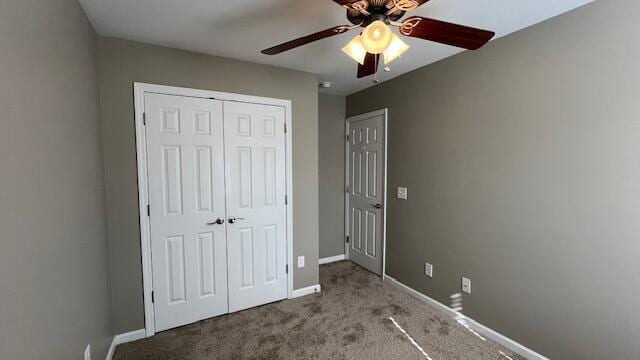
(255, 175)
(366, 176)
(186, 195)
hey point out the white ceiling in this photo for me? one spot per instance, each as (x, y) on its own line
(239, 29)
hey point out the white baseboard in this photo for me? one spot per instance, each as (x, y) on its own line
(305, 291)
(124, 338)
(331, 259)
(112, 349)
(489, 333)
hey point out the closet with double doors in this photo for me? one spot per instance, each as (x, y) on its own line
(217, 217)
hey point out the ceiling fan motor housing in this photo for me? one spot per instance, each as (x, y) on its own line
(378, 10)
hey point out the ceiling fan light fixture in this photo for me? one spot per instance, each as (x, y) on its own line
(376, 37)
(355, 49)
(395, 49)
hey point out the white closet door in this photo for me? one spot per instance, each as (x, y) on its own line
(186, 195)
(255, 178)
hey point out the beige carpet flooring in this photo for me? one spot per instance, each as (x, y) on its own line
(350, 319)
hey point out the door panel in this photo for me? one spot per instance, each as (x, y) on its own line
(255, 173)
(186, 192)
(207, 268)
(366, 192)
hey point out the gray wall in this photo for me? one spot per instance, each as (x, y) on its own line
(53, 248)
(523, 167)
(331, 128)
(121, 63)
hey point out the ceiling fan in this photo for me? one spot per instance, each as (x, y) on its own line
(375, 16)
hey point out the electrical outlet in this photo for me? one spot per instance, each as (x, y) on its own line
(300, 261)
(402, 193)
(466, 285)
(428, 269)
(87, 352)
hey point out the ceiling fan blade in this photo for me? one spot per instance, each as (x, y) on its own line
(445, 33)
(353, 4)
(370, 66)
(359, 6)
(420, 2)
(403, 5)
(306, 40)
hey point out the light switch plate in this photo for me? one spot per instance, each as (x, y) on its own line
(300, 261)
(402, 193)
(466, 285)
(428, 269)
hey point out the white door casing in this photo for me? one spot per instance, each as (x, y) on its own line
(186, 195)
(366, 195)
(256, 190)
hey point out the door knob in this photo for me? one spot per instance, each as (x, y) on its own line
(377, 206)
(219, 221)
(233, 219)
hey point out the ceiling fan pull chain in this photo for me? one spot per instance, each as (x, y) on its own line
(375, 74)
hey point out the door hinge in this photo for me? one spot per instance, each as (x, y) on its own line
(144, 119)
(347, 189)
(347, 239)
(148, 210)
(348, 137)
(287, 268)
(285, 128)
(286, 200)
(153, 297)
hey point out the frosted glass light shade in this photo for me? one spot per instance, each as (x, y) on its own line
(395, 49)
(376, 37)
(356, 50)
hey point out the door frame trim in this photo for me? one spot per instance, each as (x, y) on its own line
(385, 113)
(139, 90)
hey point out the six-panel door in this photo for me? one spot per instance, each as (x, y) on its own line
(255, 172)
(185, 148)
(366, 197)
(217, 206)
